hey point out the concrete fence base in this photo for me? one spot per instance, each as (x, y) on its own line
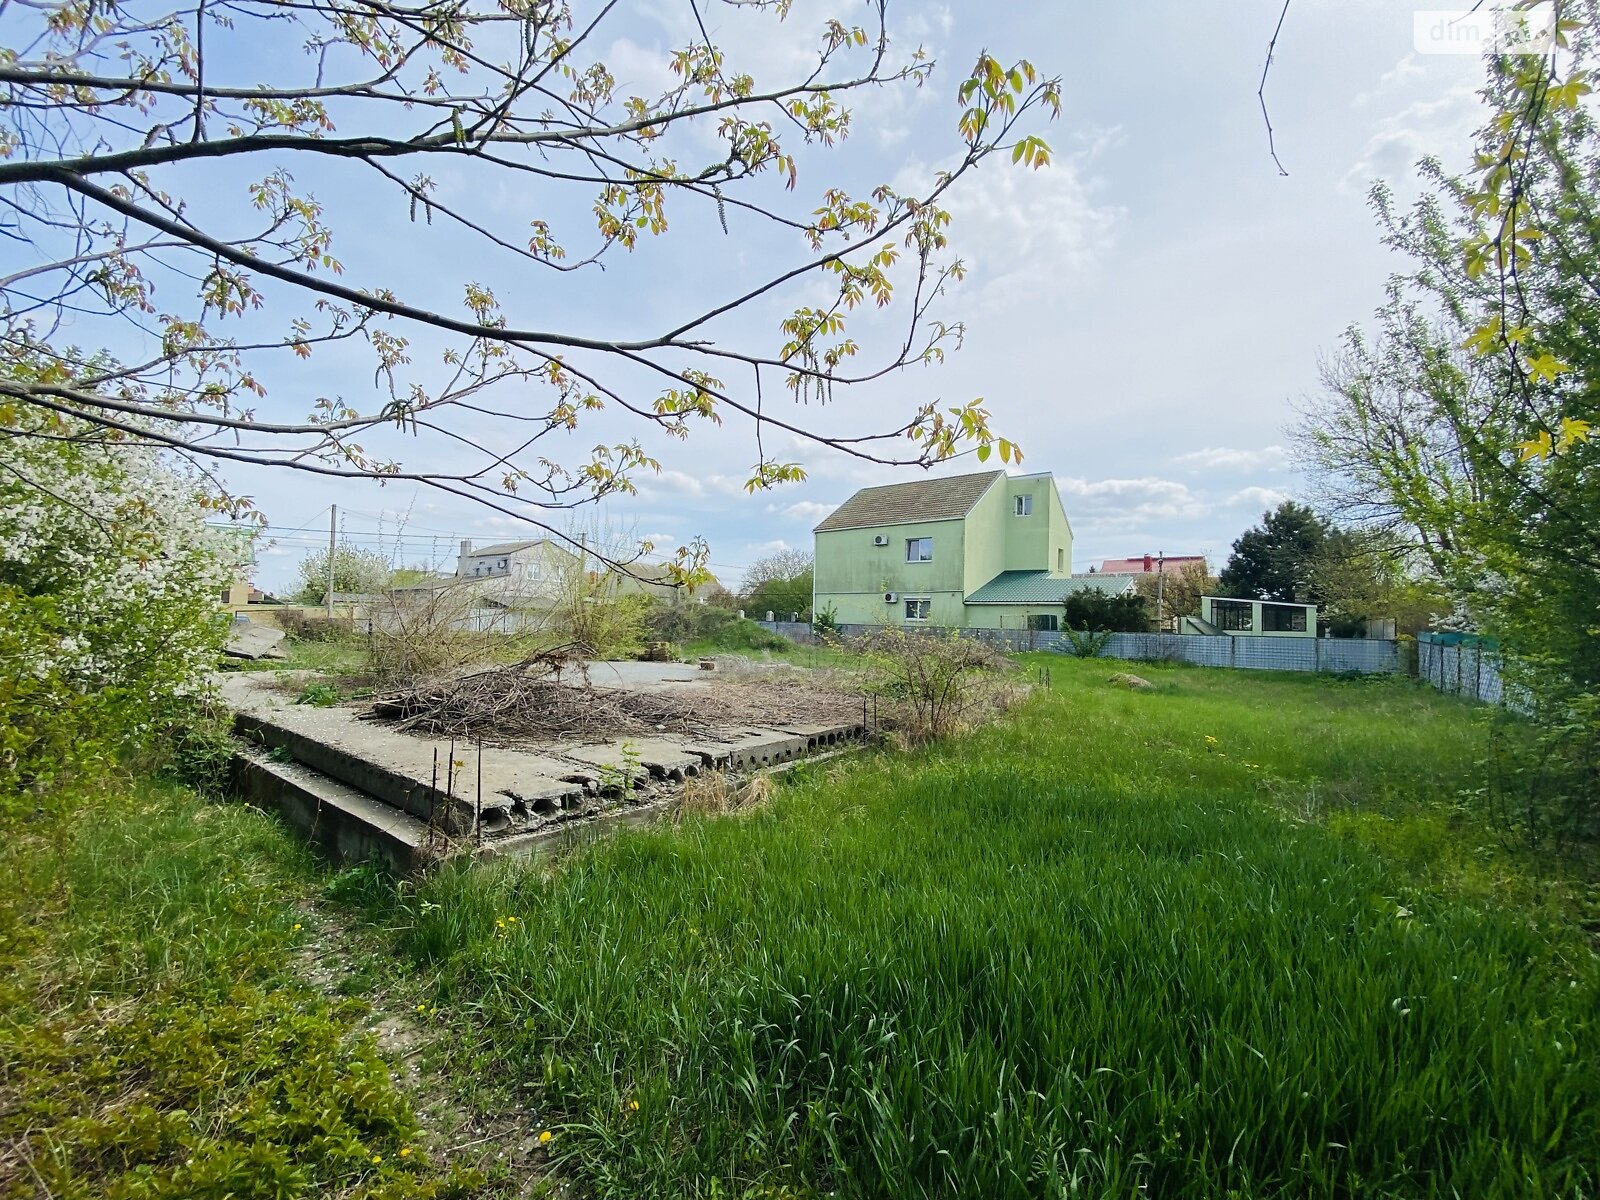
(1336, 655)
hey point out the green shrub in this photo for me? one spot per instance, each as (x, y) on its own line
(741, 633)
(1094, 610)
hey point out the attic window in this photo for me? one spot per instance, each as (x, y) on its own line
(1022, 506)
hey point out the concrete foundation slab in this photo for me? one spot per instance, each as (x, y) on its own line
(368, 791)
(662, 758)
(417, 775)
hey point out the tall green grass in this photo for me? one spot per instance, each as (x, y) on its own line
(156, 1039)
(1108, 948)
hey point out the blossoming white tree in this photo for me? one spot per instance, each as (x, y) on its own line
(109, 589)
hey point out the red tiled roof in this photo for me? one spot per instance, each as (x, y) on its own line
(1148, 562)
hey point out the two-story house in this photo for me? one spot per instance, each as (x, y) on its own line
(989, 550)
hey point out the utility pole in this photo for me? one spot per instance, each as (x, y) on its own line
(333, 532)
(1161, 589)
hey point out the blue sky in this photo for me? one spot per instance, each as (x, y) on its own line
(1140, 315)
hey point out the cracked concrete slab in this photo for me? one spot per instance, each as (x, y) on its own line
(383, 786)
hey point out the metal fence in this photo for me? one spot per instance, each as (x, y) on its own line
(1364, 656)
(1460, 667)
(1255, 653)
(1009, 640)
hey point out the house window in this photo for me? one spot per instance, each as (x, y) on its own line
(1044, 622)
(1061, 562)
(919, 549)
(1022, 505)
(1232, 615)
(501, 564)
(1283, 618)
(918, 608)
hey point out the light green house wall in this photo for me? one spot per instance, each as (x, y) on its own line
(1041, 541)
(1008, 616)
(1258, 624)
(853, 573)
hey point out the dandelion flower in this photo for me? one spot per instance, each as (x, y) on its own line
(377, 1158)
(296, 928)
(633, 1105)
(544, 1137)
(1210, 741)
(405, 1151)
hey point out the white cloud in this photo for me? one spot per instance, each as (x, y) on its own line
(684, 484)
(1129, 501)
(661, 541)
(1007, 220)
(776, 546)
(803, 510)
(1260, 498)
(1213, 458)
(1397, 76)
(1440, 126)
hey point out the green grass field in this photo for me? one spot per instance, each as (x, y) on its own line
(158, 1037)
(1226, 938)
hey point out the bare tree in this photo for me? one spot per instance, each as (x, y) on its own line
(1176, 592)
(177, 271)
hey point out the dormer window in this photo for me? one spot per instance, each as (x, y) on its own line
(1022, 506)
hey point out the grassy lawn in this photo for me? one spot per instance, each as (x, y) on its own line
(156, 1039)
(1224, 938)
(345, 656)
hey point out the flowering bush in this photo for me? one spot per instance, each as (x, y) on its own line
(110, 587)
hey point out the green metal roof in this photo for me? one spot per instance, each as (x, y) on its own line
(1045, 587)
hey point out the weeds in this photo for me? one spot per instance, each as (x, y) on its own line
(319, 695)
(1085, 643)
(1079, 951)
(154, 1044)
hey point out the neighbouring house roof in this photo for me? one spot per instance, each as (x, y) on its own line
(945, 499)
(1045, 587)
(658, 575)
(503, 548)
(1146, 562)
(431, 584)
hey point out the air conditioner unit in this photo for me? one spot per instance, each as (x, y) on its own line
(880, 540)
(889, 597)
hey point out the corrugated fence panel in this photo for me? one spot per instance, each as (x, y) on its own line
(1364, 656)
(1257, 653)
